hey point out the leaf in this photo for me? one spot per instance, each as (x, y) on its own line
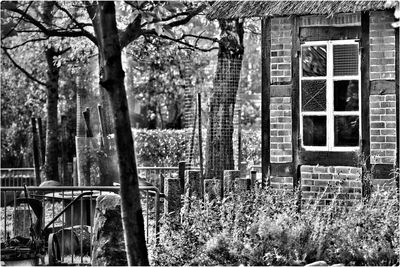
(169, 32)
(158, 29)
(147, 16)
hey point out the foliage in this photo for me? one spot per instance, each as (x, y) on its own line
(168, 147)
(264, 228)
(160, 147)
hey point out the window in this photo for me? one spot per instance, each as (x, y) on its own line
(330, 100)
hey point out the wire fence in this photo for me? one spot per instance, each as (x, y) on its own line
(214, 104)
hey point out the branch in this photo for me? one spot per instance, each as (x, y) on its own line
(50, 32)
(191, 14)
(59, 53)
(30, 76)
(131, 32)
(179, 41)
(20, 19)
(29, 41)
(78, 24)
(215, 40)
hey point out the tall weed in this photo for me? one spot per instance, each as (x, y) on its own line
(266, 228)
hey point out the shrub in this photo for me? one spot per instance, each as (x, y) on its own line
(265, 228)
(160, 147)
(168, 147)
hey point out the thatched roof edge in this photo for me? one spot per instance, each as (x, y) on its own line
(247, 9)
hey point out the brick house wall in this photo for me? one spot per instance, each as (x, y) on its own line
(382, 107)
(383, 97)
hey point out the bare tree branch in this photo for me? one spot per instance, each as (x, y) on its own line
(20, 19)
(215, 40)
(45, 30)
(24, 43)
(80, 25)
(30, 76)
(179, 41)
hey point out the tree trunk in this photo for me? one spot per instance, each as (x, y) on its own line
(112, 79)
(219, 148)
(53, 73)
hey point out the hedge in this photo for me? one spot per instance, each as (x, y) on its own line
(168, 147)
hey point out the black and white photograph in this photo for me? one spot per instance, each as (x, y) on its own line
(200, 133)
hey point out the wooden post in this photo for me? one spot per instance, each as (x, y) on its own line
(239, 139)
(68, 174)
(181, 174)
(265, 97)
(192, 184)
(88, 150)
(295, 96)
(365, 89)
(172, 190)
(74, 172)
(212, 189)
(229, 181)
(36, 161)
(191, 151)
(64, 150)
(397, 75)
(200, 142)
(102, 127)
(42, 142)
(86, 116)
(253, 178)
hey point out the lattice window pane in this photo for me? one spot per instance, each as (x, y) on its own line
(347, 130)
(314, 130)
(314, 60)
(313, 95)
(345, 59)
(346, 95)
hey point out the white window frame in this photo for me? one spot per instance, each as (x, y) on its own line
(330, 113)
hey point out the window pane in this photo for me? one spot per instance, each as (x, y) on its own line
(346, 95)
(314, 60)
(345, 59)
(314, 130)
(347, 130)
(313, 95)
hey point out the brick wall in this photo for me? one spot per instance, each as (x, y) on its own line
(281, 130)
(344, 180)
(383, 128)
(281, 182)
(382, 104)
(382, 45)
(281, 45)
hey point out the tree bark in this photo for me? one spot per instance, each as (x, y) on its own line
(219, 148)
(112, 79)
(53, 74)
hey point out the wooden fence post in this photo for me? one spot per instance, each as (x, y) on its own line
(42, 142)
(172, 191)
(36, 161)
(181, 175)
(229, 181)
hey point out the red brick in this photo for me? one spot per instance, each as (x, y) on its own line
(390, 98)
(388, 132)
(306, 168)
(377, 125)
(307, 182)
(390, 139)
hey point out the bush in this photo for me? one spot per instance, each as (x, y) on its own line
(160, 147)
(265, 228)
(168, 147)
